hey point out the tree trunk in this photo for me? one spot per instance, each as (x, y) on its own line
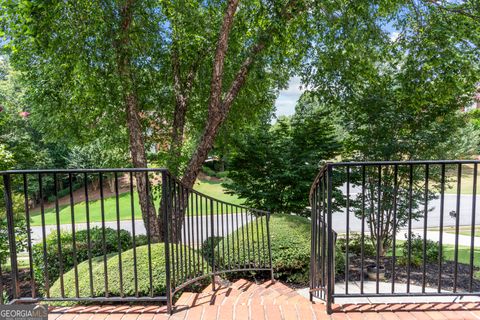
(153, 224)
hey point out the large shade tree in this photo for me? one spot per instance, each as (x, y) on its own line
(180, 68)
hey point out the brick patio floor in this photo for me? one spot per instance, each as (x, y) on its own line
(268, 301)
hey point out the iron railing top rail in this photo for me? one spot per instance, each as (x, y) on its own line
(39, 171)
(118, 170)
(399, 162)
(319, 176)
(215, 199)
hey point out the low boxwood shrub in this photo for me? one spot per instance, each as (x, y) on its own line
(128, 275)
(355, 245)
(66, 240)
(416, 246)
(290, 242)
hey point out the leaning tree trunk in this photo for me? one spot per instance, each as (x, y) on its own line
(153, 223)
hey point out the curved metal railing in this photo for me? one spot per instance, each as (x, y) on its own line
(89, 235)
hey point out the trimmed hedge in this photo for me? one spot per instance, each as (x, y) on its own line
(66, 240)
(158, 274)
(290, 242)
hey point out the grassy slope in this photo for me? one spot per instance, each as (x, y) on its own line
(210, 188)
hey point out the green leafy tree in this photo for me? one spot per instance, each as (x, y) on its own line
(273, 166)
(397, 97)
(174, 67)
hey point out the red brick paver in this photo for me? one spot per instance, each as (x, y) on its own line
(267, 301)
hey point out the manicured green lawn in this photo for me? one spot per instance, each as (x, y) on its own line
(449, 253)
(213, 189)
(463, 230)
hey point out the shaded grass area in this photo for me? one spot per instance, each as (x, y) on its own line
(210, 188)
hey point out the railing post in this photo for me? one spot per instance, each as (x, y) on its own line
(330, 256)
(168, 284)
(269, 247)
(212, 235)
(11, 234)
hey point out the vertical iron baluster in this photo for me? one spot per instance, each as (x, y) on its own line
(119, 245)
(379, 229)
(197, 238)
(185, 195)
(218, 226)
(185, 242)
(29, 241)
(196, 224)
(347, 231)
(74, 240)
(89, 242)
(247, 222)
(202, 214)
(313, 236)
(11, 235)
(225, 222)
(173, 244)
(192, 233)
(237, 231)
(269, 246)
(201, 224)
(104, 245)
(165, 210)
(59, 241)
(258, 238)
(457, 228)
(1, 285)
(440, 248)
(149, 235)
(212, 234)
(254, 253)
(472, 235)
(243, 237)
(262, 217)
(425, 224)
(324, 232)
(394, 240)
(132, 209)
(231, 234)
(223, 236)
(362, 248)
(319, 238)
(330, 257)
(410, 204)
(207, 222)
(178, 233)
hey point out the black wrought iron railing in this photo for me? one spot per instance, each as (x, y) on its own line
(119, 235)
(397, 228)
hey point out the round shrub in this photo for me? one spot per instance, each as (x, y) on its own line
(432, 249)
(290, 241)
(128, 262)
(355, 245)
(81, 241)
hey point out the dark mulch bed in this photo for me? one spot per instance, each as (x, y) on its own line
(25, 285)
(416, 274)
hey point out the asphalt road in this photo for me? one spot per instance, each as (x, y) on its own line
(433, 221)
(222, 227)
